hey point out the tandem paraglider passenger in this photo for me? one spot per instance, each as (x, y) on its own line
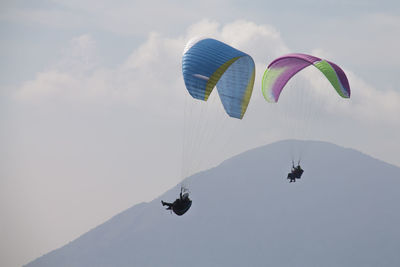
(295, 173)
(181, 205)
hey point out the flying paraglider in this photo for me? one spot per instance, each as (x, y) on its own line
(282, 69)
(207, 63)
(279, 72)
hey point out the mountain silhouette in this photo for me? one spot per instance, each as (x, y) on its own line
(343, 212)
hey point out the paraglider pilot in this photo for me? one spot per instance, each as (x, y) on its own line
(295, 173)
(181, 205)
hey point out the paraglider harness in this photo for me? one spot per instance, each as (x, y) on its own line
(180, 205)
(295, 173)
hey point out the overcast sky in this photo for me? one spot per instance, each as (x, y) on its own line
(92, 99)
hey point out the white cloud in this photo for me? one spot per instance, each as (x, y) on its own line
(150, 81)
(262, 41)
(371, 104)
(47, 84)
(366, 103)
(152, 74)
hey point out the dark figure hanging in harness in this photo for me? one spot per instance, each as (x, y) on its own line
(181, 205)
(295, 173)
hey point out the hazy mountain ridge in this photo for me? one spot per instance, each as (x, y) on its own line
(342, 213)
